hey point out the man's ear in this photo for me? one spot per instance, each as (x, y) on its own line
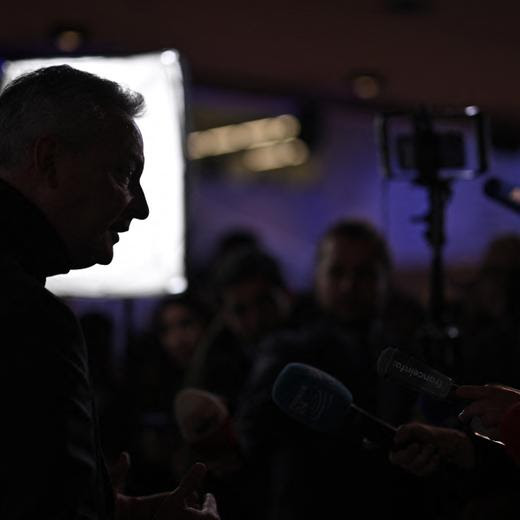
(45, 159)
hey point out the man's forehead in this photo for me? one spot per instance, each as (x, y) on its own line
(343, 248)
(125, 127)
(124, 135)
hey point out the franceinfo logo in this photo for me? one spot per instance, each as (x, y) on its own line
(414, 372)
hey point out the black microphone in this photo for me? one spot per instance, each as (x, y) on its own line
(400, 367)
(504, 193)
(322, 403)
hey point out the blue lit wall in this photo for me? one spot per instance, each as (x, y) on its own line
(290, 219)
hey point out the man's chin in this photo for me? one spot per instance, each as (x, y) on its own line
(105, 260)
(88, 259)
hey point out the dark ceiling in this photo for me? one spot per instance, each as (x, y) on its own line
(446, 52)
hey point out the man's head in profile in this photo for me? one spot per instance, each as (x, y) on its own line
(69, 144)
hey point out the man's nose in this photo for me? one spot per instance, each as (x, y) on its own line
(139, 207)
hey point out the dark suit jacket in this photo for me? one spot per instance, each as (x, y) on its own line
(51, 466)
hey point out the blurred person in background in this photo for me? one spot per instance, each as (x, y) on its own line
(156, 368)
(353, 314)
(203, 278)
(490, 318)
(253, 304)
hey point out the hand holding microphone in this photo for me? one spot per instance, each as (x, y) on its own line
(322, 403)
(421, 449)
(489, 403)
(497, 407)
(493, 412)
(404, 369)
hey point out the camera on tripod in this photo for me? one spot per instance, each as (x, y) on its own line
(426, 146)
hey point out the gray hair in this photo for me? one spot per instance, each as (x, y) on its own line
(61, 101)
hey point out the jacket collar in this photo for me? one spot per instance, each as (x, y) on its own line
(27, 237)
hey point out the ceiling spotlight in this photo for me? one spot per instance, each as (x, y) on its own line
(366, 86)
(68, 39)
(169, 57)
(471, 110)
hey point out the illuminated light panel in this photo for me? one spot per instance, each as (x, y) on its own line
(235, 138)
(149, 259)
(515, 195)
(293, 152)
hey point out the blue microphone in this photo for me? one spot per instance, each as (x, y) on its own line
(322, 403)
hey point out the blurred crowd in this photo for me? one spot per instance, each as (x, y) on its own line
(196, 386)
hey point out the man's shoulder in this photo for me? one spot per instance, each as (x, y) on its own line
(21, 293)
(33, 321)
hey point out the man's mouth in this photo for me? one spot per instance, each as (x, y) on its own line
(114, 232)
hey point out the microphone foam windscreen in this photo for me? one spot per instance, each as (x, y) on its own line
(312, 397)
(199, 413)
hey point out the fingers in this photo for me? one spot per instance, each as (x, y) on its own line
(423, 458)
(475, 409)
(492, 392)
(182, 499)
(412, 432)
(473, 392)
(191, 481)
(119, 471)
(210, 506)
(193, 500)
(489, 404)
(492, 418)
(208, 510)
(418, 459)
(491, 408)
(405, 456)
(429, 467)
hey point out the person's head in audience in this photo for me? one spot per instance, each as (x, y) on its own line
(352, 271)
(235, 240)
(69, 144)
(252, 293)
(180, 323)
(498, 284)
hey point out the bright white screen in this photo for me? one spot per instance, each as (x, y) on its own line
(149, 259)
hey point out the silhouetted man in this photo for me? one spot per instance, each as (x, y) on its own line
(71, 158)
